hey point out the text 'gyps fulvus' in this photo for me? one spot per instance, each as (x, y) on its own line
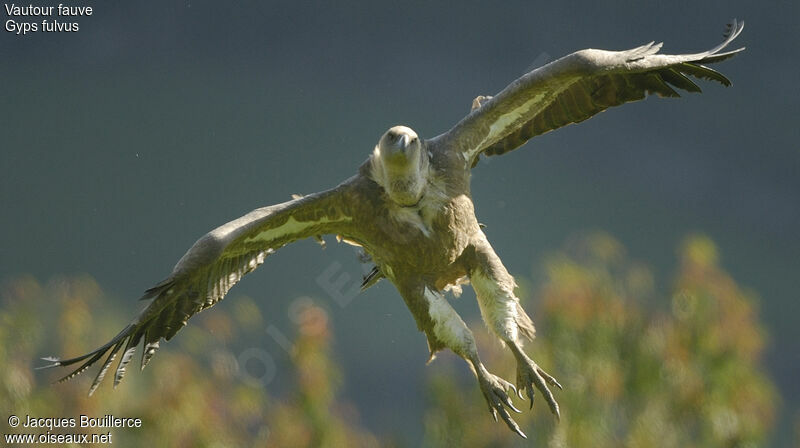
(409, 207)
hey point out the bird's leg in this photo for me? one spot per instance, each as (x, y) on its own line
(504, 315)
(445, 328)
(451, 329)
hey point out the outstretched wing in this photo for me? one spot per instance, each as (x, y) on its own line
(576, 87)
(215, 263)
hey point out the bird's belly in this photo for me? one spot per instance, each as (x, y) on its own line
(425, 242)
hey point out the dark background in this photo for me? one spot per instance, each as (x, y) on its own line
(157, 121)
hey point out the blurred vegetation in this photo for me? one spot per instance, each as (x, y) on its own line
(633, 375)
(196, 395)
(640, 367)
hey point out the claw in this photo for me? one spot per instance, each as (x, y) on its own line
(553, 405)
(548, 396)
(507, 402)
(549, 379)
(514, 427)
(510, 422)
(494, 390)
(531, 393)
(530, 375)
(513, 387)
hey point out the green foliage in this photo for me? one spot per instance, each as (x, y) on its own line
(640, 367)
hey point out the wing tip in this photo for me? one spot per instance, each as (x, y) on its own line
(91, 358)
(732, 29)
(53, 360)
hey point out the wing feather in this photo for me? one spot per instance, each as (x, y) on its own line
(208, 270)
(575, 88)
(127, 355)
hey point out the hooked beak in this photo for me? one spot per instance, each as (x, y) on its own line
(403, 143)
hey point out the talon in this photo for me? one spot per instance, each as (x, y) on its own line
(531, 393)
(553, 405)
(507, 402)
(530, 375)
(511, 423)
(548, 396)
(549, 379)
(519, 431)
(513, 387)
(494, 391)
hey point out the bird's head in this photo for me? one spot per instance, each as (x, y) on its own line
(400, 165)
(399, 146)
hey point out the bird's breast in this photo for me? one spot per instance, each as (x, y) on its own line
(426, 239)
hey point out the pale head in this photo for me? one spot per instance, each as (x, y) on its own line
(400, 165)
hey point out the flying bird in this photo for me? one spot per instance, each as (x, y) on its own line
(409, 207)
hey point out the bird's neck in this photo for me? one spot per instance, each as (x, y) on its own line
(404, 184)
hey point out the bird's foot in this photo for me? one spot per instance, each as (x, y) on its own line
(528, 375)
(494, 391)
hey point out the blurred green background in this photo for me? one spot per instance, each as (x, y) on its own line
(124, 142)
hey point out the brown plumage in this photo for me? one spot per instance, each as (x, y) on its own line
(409, 207)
